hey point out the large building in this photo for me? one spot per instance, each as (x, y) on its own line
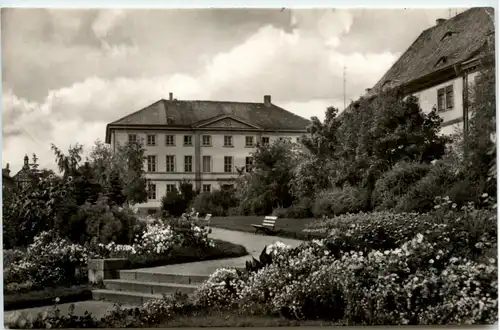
(205, 142)
(442, 63)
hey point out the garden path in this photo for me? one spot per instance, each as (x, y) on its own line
(252, 242)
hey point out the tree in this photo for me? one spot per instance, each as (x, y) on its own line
(68, 164)
(480, 141)
(268, 184)
(120, 172)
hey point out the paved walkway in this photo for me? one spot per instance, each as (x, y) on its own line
(253, 243)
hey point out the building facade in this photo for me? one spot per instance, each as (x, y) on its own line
(441, 65)
(204, 142)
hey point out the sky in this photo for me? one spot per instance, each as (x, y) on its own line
(69, 72)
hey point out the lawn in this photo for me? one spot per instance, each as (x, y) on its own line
(46, 296)
(219, 319)
(289, 228)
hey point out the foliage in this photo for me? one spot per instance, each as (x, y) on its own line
(120, 172)
(49, 260)
(461, 229)
(368, 139)
(480, 139)
(221, 289)
(395, 183)
(173, 203)
(101, 222)
(298, 210)
(420, 197)
(36, 209)
(267, 185)
(177, 202)
(216, 202)
(339, 201)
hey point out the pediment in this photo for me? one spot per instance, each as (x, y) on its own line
(227, 122)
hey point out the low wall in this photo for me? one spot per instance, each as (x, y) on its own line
(103, 269)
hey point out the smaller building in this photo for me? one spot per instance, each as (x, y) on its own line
(7, 180)
(23, 177)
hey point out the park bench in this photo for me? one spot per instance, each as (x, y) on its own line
(267, 225)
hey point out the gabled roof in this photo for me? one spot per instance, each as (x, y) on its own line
(455, 40)
(191, 114)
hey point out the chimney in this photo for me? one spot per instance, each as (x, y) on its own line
(368, 90)
(170, 96)
(440, 21)
(7, 170)
(267, 100)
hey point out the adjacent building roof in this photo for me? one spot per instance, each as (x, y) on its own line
(444, 45)
(192, 114)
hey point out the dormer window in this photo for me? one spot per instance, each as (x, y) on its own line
(441, 61)
(448, 34)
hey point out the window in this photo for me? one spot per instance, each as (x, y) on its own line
(132, 138)
(170, 163)
(188, 140)
(228, 164)
(206, 140)
(169, 140)
(265, 140)
(188, 163)
(228, 141)
(151, 191)
(248, 141)
(151, 140)
(170, 187)
(151, 163)
(445, 98)
(227, 186)
(207, 164)
(206, 188)
(248, 164)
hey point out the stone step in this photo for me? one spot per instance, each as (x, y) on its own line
(123, 297)
(151, 277)
(148, 287)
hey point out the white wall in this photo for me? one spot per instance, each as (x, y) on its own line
(428, 98)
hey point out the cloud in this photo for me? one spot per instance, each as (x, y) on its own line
(98, 66)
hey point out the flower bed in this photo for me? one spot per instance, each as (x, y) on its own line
(359, 275)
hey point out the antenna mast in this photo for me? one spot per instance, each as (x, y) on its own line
(344, 83)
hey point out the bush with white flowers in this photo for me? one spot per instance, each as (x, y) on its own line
(222, 289)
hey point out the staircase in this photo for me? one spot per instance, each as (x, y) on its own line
(135, 287)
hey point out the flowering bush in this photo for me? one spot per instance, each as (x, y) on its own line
(468, 231)
(416, 283)
(11, 256)
(49, 260)
(221, 289)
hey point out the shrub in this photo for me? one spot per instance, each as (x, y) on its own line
(298, 210)
(102, 222)
(173, 203)
(221, 290)
(395, 183)
(49, 260)
(420, 197)
(217, 202)
(339, 201)
(464, 191)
